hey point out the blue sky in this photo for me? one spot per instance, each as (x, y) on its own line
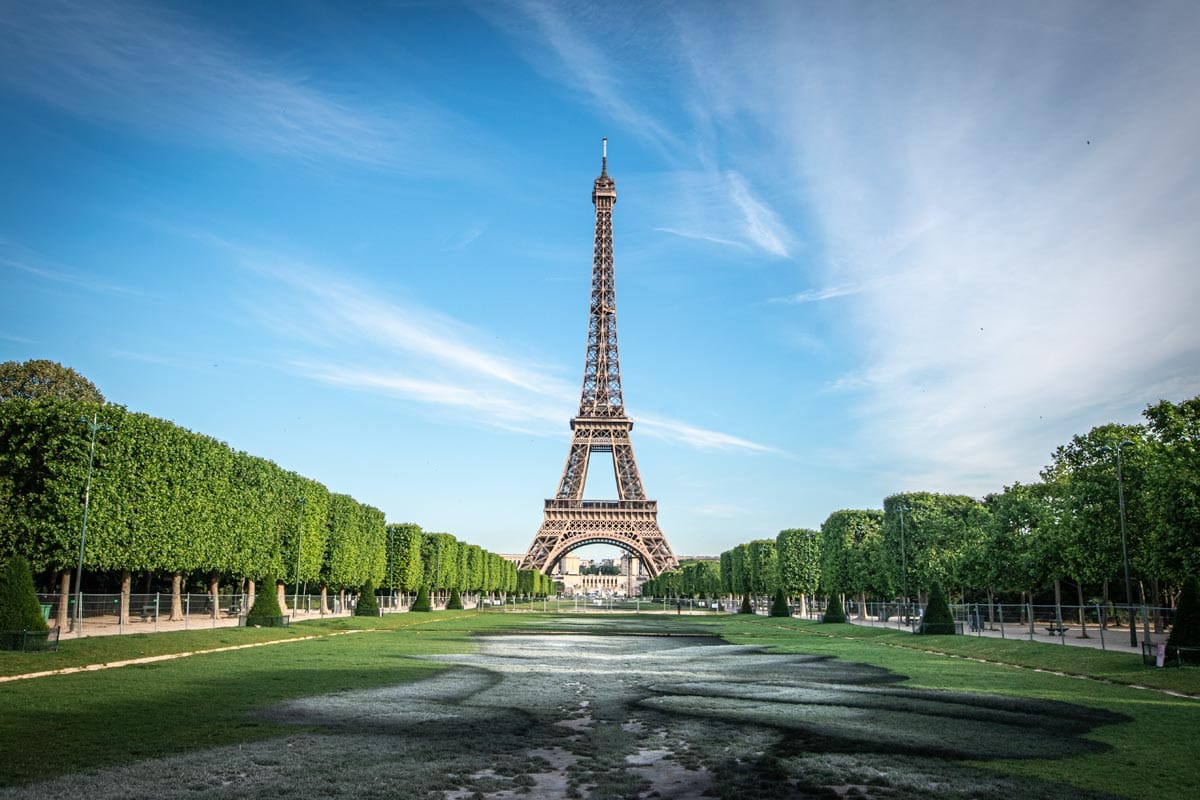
(861, 248)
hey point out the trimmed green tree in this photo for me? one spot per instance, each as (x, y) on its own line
(422, 602)
(834, 612)
(265, 613)
(455, 603)
(938, 621)
(779, 607)
(1185, 632)
(746, 607)
(367, 605)
(19, 609)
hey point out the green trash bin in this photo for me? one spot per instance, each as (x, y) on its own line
(46, 607)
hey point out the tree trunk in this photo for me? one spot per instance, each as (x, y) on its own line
(176, 597)
(862, 606)
(249, 594)
(1155, 601)
(64, 599)
(1058, 601)
(1107, 605)
(281, 593)
(214, 591)
(126, 587)
(991, 615)
(324, 599)
(1083, 634)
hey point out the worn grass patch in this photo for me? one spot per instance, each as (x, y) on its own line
(494, 705)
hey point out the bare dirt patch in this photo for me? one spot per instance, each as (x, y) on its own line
(588, 716)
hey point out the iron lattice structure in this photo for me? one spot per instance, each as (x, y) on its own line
(631, 521)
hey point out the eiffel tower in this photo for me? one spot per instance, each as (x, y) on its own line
(631, 521)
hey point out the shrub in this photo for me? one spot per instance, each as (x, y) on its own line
(938, 620)
(19, 608)
(834, 611)
(422, 602)
(746, 607)
(1185, 632)
(367, 605)
(455, 602)
(779, 606)
(265, 613)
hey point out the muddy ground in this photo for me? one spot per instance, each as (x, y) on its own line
(607, 716)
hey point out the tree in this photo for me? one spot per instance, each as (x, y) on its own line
(1173, 489)
(19, 609)
(40, 379)
(779, 606)
(799, 562)
(265, 612)
(404, 566)
(937, 620)
(1186, 630)
(849, 554)
(367, 605)
(422, 602)
(926, 538)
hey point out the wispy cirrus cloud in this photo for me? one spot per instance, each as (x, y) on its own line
(1035, 233)
(20, 259)
(432, 359)
(606, 58)
(154, 70)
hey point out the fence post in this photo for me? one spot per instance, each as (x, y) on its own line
(1030, 607)
(1100, 624)
(1000, 606)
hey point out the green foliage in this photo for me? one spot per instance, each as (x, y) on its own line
(938, 620)
(367, 605)
(746, 607)
(1185, 631)
(850, 540)
(41, 380)
(455, 602)
(1173, 489)
(779, 606)
(834, 612)
(404, 556)
(762, 567)
(937, 532)
(265, 613)
(799, 559)
(19, 609)
(422, 603)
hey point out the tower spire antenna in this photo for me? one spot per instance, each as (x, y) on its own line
(604, 156)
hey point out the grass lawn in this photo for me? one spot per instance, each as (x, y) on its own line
(97, 719)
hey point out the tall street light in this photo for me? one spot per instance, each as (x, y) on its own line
(94, 425)
(903, 509)
(1124, 538)
(299, 542)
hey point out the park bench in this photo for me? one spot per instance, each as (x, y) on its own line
(1056, 629)
(148, 611)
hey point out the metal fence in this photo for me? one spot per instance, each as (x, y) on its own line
(1109, 625)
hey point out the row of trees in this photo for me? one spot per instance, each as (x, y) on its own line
(165, 501)
(1063, 532)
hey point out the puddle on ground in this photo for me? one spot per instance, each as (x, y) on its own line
(578, 715)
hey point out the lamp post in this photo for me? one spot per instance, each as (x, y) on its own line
(94, 425)
(299, 542)
(1124, 538)
(903, 559)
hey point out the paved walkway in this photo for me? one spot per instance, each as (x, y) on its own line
(1113, 638)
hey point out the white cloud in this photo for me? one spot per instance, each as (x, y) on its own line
(163, 74)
